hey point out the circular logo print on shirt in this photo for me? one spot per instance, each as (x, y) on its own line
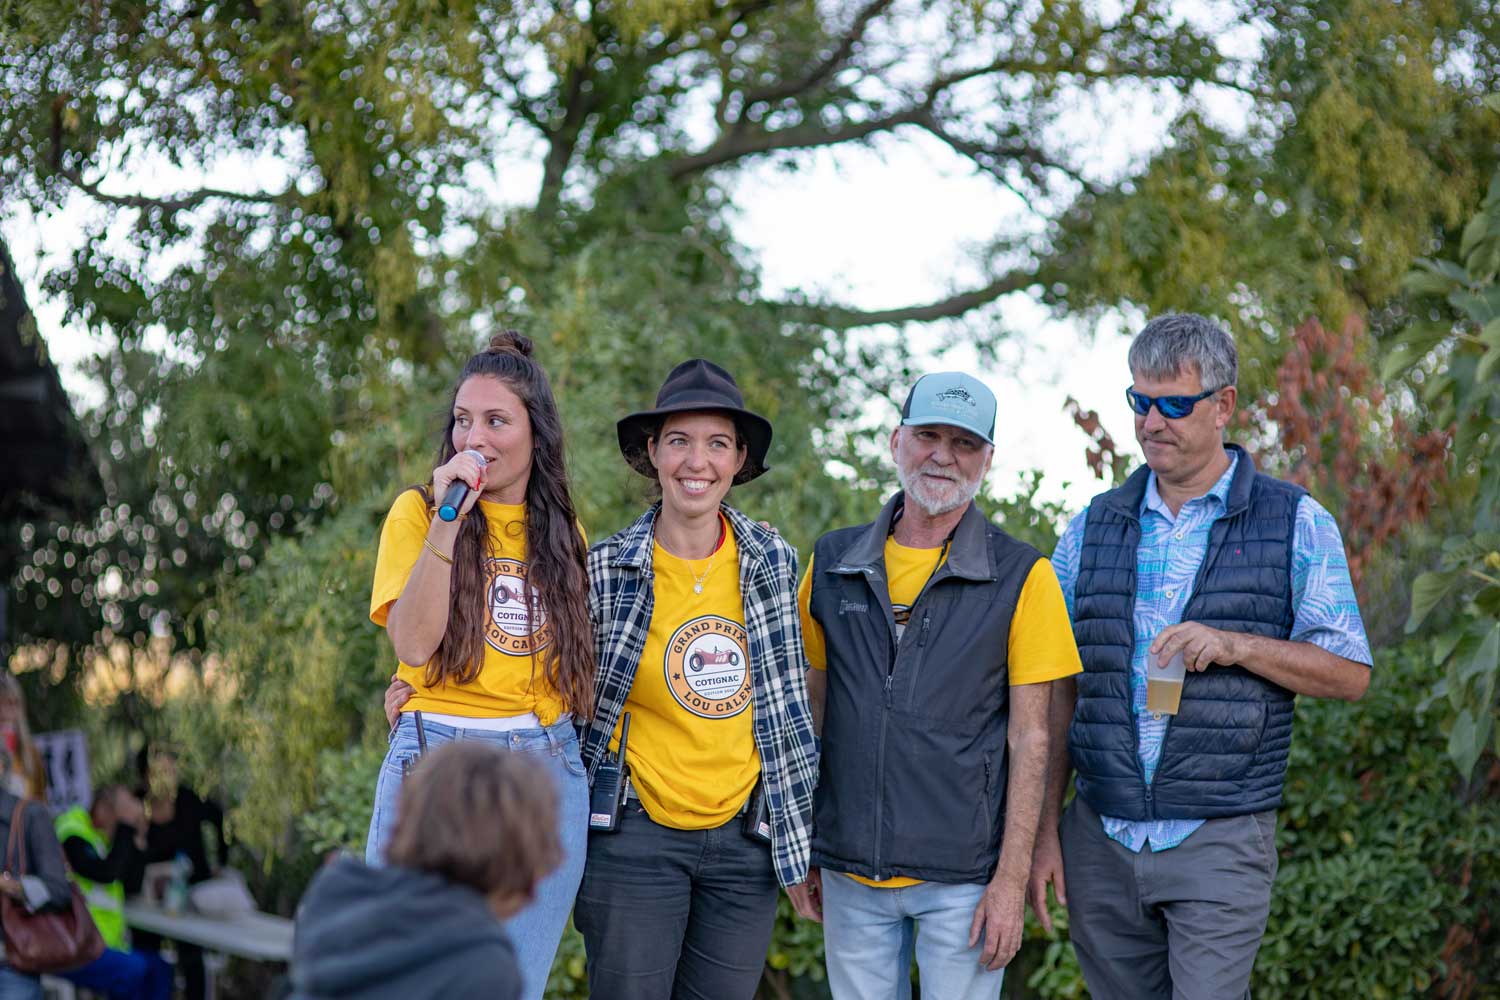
(708, 667)
(511, 629)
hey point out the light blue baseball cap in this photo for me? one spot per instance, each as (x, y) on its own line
(951, 398)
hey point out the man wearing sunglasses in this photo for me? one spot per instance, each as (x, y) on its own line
(1167, 854)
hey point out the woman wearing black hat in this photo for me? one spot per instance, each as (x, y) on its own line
(697, 636)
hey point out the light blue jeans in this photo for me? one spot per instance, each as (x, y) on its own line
(537, 929)
(18, 985)
(870, 935)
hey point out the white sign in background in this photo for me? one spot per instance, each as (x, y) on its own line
(66, 756)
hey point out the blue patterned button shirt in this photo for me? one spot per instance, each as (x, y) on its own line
(1171, 550)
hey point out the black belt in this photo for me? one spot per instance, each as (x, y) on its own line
(630, 794)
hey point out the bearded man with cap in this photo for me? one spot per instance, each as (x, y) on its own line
(932, 638)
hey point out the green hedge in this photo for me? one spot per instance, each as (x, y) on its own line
(1389, 877)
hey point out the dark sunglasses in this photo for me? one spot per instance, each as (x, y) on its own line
(1171, 407)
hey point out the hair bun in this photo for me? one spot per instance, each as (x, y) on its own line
(510, 342)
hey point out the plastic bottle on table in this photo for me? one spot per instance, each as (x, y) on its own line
(175, 900)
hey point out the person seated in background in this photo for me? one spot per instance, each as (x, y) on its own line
(25, 775)
(106, 851)
(476, 831)
(178, 817)
(44, 887)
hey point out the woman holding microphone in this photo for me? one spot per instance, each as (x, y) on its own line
(488, 616)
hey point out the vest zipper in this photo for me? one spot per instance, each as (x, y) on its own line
(1140, 766)
(890, 703)
(1166, 731)
(890, 677)
(885, 714)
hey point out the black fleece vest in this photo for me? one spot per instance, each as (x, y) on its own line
(913, 770)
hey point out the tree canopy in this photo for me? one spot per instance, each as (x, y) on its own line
(373, 222)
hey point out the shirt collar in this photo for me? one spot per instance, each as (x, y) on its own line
(1152, 500)
(635, 541)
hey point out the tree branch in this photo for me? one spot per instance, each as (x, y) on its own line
(991, 158)
(740, 141)
(736, 145)
(186, 200)
(823, 70)
(563, 140)
(737, 140)
(846, 318)
(1127, 72)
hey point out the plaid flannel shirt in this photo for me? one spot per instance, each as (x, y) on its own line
(621, 598)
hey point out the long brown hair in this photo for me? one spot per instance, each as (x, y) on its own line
(27, 762)
(555, 576)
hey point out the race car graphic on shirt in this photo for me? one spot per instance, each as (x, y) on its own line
(513, 628)
(707, 667)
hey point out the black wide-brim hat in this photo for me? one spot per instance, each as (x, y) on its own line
(697, 385)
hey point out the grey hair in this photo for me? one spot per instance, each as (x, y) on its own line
(1178, 342)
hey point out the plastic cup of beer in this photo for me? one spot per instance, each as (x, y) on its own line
(1164, 686)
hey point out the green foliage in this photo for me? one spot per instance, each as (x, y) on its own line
(569, 977)
(1028, 519)
(339, 817)
(1364, 139)
(302, 669)
(1381, 858)
(1053, 963)
(1447, 356)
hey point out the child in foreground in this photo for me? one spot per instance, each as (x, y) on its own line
(476, 832)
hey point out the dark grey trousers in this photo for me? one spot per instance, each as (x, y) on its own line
(1182, 924)
(675, 914)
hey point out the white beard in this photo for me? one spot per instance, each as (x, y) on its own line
(936, 501)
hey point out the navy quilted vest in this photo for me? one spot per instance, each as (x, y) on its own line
(1225, 752)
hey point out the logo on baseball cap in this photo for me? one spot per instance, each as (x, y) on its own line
(951, 398)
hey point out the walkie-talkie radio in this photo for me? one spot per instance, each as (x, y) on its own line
(412, 761)
(757, 822)
(611, 786)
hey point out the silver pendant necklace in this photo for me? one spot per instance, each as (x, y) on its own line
(699, 578)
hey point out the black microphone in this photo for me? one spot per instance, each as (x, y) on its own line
(458, 492)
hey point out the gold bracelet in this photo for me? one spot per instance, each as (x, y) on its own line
(437, 551)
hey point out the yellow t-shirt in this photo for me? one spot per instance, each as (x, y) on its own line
(691, 750)
(509, 683)
(1040, 648)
